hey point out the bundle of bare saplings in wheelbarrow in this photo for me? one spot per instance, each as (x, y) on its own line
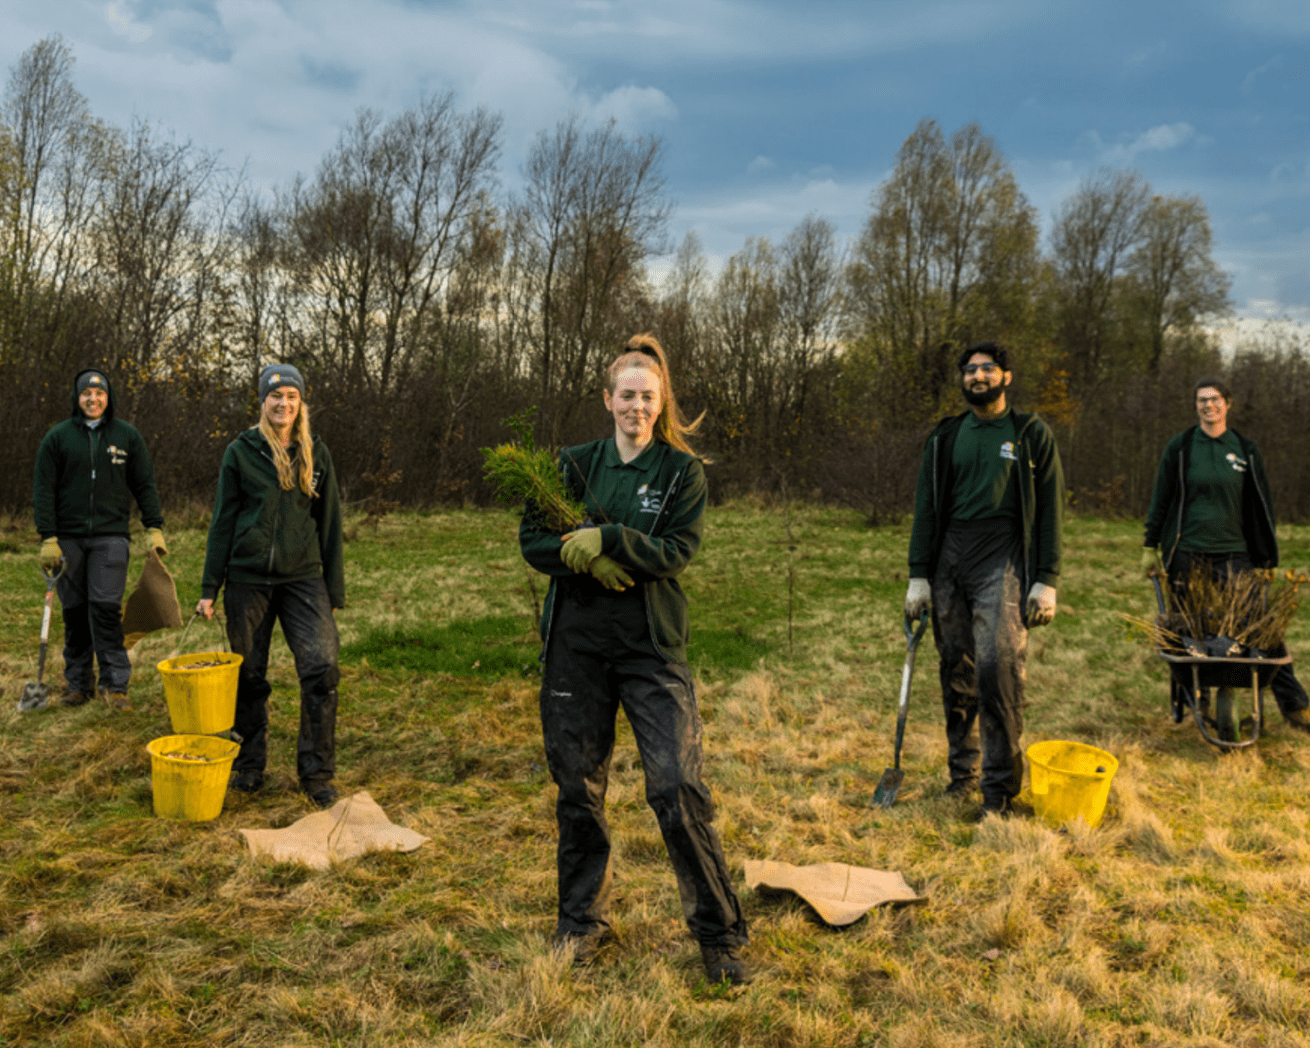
(1223, 636)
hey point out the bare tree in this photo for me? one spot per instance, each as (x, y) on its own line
(809, 286)
(1174, 281)
(159, 247)
(1095, 231)
(947, 256)
(375, 235)
(592, 212)
(49, 188)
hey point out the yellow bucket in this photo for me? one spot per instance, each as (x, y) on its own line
(189, 775)
(1069, 781)
(202, 700)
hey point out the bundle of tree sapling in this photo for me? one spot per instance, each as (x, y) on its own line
(526, 474)
(1245, 616)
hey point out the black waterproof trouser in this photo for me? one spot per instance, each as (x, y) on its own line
(305, 613)
(600, 656)
(1288, 692)
(91, 597)
(982, 646)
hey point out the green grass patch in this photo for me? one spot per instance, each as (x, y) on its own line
(490, 647)
(725, 650)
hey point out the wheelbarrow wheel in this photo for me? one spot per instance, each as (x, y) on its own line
(1224, 715)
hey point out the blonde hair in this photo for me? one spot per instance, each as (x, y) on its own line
(644, 351)
(302, 469)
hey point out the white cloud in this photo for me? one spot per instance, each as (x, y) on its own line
(1257, 74)
(726, 30)
(725, 219)
(1158, 139)
(760, 163)
(122, 22)
(635, 108)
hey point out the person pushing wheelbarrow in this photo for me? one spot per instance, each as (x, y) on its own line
(1211, 509)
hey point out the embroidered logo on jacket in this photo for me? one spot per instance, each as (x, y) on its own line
(1007, 451)
(117, 455)
(651, 501)
(1238, 464)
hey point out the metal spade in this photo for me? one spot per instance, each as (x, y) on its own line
(891, 779)
(36, 695)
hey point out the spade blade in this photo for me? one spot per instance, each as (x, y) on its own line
(34, 697)
(890, 782)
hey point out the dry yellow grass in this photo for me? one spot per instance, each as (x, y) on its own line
(1180, 921)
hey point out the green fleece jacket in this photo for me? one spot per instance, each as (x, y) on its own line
(1038, 483)
(261, 535)
(653, 534)
(1169, 498)
(86, 477)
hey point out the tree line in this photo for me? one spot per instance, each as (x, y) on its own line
(426, 305)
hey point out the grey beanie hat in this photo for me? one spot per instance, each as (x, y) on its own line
(91, 377)
(275, 376)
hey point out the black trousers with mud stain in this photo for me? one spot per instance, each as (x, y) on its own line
(91, 598)
(305, 613)
(601, 658)
(1288, 692)
(982, 646)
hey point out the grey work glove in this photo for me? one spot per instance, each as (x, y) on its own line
(918, 598)
(1041, 605)
(610, 573)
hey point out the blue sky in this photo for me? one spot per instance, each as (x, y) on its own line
(769, 110)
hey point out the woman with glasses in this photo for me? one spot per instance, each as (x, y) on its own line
(1211, 511)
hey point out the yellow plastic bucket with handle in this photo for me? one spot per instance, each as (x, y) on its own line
(189, 774)
(201, 691)
(1069, 780)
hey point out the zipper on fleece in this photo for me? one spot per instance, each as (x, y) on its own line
(93, 438)
(277, 516)
(645, 587)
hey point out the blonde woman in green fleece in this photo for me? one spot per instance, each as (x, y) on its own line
(614, 634)
(275, 550)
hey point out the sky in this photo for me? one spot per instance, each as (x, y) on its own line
(769, 110)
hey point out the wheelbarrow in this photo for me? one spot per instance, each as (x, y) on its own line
(1193, 675)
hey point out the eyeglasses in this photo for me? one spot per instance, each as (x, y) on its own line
(986, 369)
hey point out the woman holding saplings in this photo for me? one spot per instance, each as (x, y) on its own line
(1211, 510)
(614, 633)
(275, 550)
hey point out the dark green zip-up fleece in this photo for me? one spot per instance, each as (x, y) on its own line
(1165, 520)
(85, 478)
(1039, 488)
(654, 547)
(261, 535)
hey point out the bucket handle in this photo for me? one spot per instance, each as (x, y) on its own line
(195, 615)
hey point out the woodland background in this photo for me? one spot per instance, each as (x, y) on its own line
(426, 305)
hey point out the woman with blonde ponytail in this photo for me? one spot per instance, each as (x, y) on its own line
(275, 550)
(614, 634)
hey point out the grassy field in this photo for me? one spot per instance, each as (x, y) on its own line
(1182, 920)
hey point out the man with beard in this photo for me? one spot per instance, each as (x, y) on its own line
(985, 556)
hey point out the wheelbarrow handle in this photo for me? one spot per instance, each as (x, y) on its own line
(1159, 592)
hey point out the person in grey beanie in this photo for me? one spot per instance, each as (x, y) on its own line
(275, 550)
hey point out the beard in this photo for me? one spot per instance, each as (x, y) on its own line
(988, 396)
